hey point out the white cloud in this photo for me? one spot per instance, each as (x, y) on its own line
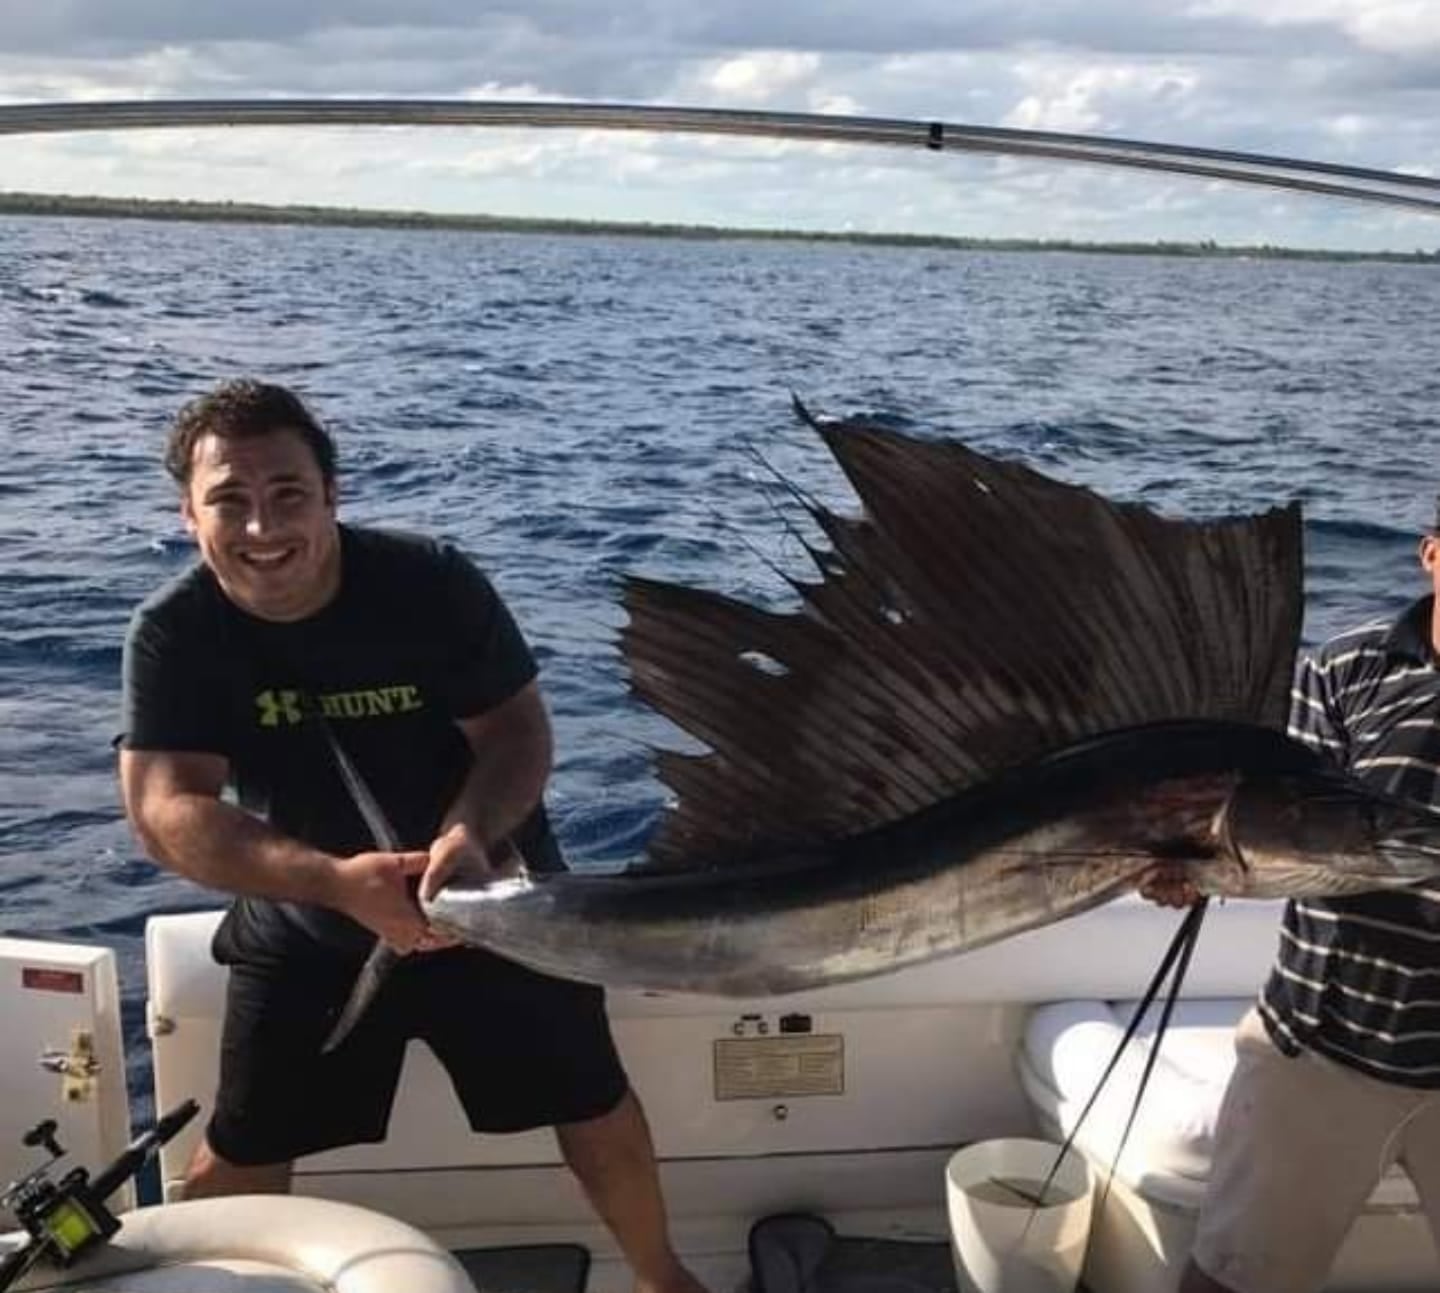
(832, 103)
(1066, 94)
(528, 93)
(1404, 27)
(762, 75)
(1399, 28)
(1349, 127)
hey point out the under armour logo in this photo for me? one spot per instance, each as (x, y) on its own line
(277, 707)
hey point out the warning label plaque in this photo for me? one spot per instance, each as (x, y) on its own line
(761, 1068)
(44, 978)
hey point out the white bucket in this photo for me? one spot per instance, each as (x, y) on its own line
(1003, 1242)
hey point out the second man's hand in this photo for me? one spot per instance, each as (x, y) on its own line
(1167, 884)
(459, 851)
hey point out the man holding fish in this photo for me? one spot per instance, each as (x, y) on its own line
(267, 689)
(914, 763)
(1338, 1066)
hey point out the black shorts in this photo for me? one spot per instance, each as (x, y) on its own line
(522, 1049)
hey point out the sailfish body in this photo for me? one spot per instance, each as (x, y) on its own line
(1050, 841)
(1005, 699)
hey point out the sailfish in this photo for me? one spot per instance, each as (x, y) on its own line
(1002, 700)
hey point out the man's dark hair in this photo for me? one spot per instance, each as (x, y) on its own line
(236, 410)
(1436, 529)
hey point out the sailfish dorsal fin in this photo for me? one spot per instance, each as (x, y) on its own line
(974, 616)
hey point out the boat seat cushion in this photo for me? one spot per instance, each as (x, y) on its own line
(1167, 1156)
(266, 1242)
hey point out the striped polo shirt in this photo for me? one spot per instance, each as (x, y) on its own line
(1358, 978)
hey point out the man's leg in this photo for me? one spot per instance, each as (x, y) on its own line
(613, 1158)
(209, 1175)
(556, 1067)
(1420, 1153)
(278, 1097)
(1299, 1145)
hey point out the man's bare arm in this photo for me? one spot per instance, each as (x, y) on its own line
(173, 802)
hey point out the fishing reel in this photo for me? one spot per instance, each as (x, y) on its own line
(66, 1218)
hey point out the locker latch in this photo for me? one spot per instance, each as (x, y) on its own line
(78, 1066)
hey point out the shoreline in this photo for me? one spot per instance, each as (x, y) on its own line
(199, 212)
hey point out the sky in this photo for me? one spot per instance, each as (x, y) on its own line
(1354, 81)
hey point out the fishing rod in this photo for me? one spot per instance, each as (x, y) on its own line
(1327, 179)
(66, 1219)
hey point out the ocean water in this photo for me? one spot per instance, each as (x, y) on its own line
(571, 409)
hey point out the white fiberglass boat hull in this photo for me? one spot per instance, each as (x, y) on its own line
(846, 1101)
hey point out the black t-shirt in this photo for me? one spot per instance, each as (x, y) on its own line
(415, 638)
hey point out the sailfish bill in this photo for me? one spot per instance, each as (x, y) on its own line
(1003, 699)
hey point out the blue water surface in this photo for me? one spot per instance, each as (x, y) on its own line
(573, 408)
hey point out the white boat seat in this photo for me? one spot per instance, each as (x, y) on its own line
(1143, 1235)
(1067, 1046)
(263, 1244)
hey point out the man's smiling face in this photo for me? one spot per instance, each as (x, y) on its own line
(264, 517)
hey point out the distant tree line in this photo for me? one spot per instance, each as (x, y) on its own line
(42, 204)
